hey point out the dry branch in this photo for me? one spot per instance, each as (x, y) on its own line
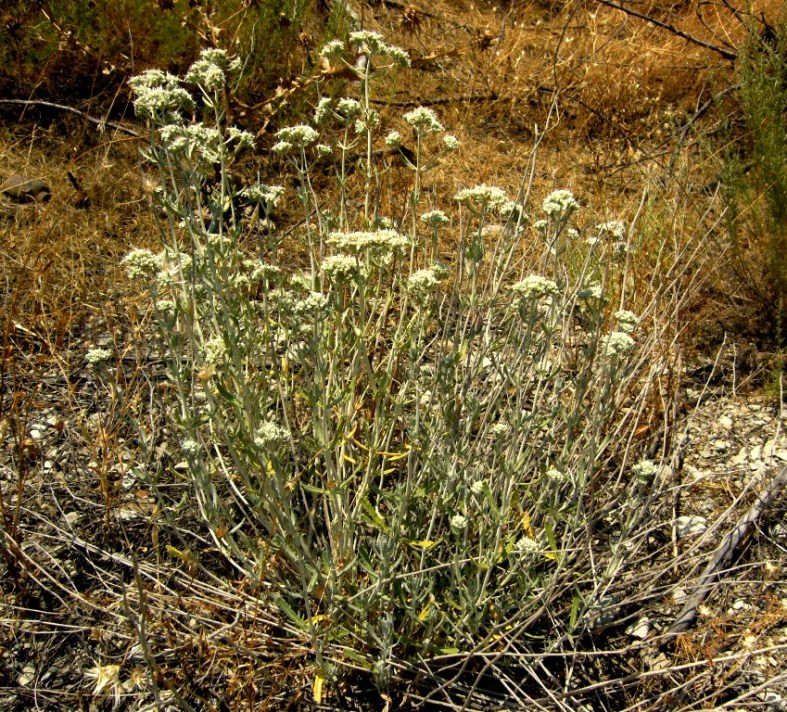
(727, 54)
(71, 110)
(724, 553)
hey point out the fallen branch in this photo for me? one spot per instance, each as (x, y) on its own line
(724, 553)
(727, 54)
(71, 110)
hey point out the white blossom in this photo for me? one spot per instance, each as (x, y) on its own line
(484, 196)
(393, 139)
(645, 470)
(299, 136)
(560, 203)
(528, 546)
(378, 241)
(271, 435)
(422, 281)
(627, 320)
(618, 343)
(423, 119)
(450, 142)
(339, 268)
(535, 286)
(140, 263)
(435, 219)
(96, 356)
(458, 521)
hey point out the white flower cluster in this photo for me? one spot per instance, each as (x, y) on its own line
(483, 196)
(645, 470)
(500, 429)
(332, 49)
(458, 522)
(211, 70)
(618, 343)
(513, 211)
(214, 350)
(627, 320)
(423, 281)
(450, 143)
(270, 435)
(96, 356)
(555, 475)
(262, 272)
(423, 120)
(535, 287)
(158, 95)
(299, 136)
(372, 43)
(435, 219)
(614, 228)
(477, 488)
(528, 546)
(267, 195)
(190, 447)
(349, 109)
(560, 203)
(198, 143)
(377, 241)
(140, 263)
(313, 306)
(393, 139)
(339, 268)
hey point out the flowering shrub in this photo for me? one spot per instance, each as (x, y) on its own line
(404, 454)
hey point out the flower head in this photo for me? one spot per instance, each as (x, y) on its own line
(458, 522)
(377, 241)
(528, 546)
(339, 268)
(267, 195)
(450, 143)
(485, 197)
(645, 470)
(96, 356)
(435, 219)
(270, 436)
(627, 320)
(560, 204)
(299, 136)
(618, 343)
(535, 287)
(332, 49)
(423, 281)
(423, 120)
(393, 139)
(140, 263)
(159, 95)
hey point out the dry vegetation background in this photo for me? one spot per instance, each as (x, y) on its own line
(632, 117)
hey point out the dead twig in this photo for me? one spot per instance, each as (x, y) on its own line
(727, 54)
(71, 110)
(724, 553)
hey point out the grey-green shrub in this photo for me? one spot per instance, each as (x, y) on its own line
(404, 449)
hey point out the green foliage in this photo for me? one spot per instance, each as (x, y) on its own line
(77, 48)
(755, 178)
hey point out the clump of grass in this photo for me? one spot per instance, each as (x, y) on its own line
(407, 449)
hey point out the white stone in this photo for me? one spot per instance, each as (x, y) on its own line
(726, 422)
(690, 526)
(640, 629)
